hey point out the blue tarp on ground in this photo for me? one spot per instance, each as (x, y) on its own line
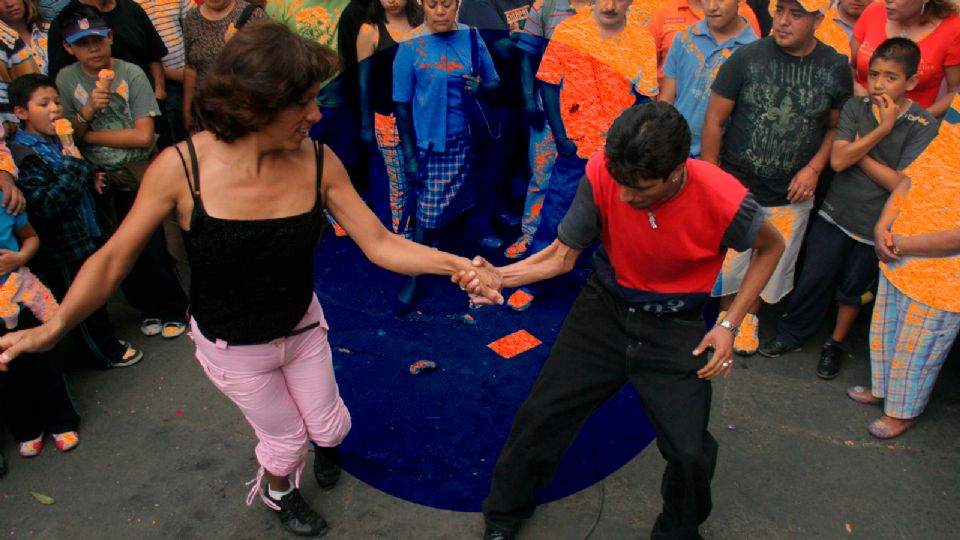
(433, 438)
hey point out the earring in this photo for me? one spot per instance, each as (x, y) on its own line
(922, 7)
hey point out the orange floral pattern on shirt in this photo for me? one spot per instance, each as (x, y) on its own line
(831, 33)
(932, 204)
(597, 76)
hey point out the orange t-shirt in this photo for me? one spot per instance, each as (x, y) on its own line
(938, 49)
(678, 15)
(833, 33)
(932, 204)
(597, 76)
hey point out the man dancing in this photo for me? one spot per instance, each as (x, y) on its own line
(665, 222)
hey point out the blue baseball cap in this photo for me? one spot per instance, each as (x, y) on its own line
(83, 27)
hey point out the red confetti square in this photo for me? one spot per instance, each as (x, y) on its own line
(516, 343)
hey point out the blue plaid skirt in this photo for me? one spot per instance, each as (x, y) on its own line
(446, 193)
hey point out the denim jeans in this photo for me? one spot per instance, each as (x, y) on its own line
(561, 189)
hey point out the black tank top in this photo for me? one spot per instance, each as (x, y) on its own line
(382, 71)
(251, 281)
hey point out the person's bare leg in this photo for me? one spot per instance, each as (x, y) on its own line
(846, 316)
(277, 483)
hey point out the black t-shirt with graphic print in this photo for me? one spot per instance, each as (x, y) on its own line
(780, 116)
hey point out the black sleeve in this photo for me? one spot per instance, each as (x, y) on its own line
(57, 57)
(761, 8)
(845, 85)
(481, 14)
(742, 231)
(730, 76)
(152, 42)
(582, 225)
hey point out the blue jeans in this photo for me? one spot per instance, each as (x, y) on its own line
(561, 190)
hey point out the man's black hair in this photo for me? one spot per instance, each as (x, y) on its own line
(20, 90)
(902, 51)
(647, 142)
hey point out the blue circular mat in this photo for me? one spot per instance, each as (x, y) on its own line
(433, 438)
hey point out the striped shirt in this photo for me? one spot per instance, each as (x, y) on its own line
(537, 32)
(15, 60)
(166, 16)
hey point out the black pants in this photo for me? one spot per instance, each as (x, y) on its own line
(95, 334)
(603, 344)
(835, 266)
(489, 170)
(34, 397)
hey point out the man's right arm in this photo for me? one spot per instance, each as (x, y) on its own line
(718, 111)
(551, 107)
(580, 228)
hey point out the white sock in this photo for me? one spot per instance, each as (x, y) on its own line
(277, 495)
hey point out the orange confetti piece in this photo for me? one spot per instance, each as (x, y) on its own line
(516, 343)
(520, 300)
(849, 529)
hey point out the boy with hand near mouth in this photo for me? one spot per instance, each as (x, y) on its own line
(877, 137)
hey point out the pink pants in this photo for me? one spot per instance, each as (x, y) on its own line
(286, 389)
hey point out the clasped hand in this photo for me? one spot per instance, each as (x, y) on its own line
(482, 283)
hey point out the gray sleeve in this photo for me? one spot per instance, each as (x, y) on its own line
(847, 126)
(582, 225)
(743, 230)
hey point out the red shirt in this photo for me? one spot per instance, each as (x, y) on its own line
(938, 49)
(683, 254)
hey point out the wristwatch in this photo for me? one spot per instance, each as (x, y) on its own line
(730, 327)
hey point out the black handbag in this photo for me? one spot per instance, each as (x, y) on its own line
(484, 125)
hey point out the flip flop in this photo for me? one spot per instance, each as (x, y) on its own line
(151, 327)
(862, 394)
(173, 329)
(881, 429)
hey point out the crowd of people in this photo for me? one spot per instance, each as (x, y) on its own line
(673, 153)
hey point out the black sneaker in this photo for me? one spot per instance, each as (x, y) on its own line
(492, 533)
(830, 359)
(775, 348)
(326, 466)
(297, 516)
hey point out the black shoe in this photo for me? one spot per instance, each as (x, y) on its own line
(297, 516)
(775, 348)
(830, 359)
(497, 534)
(326, 466)
(3, 465)
(405, 298)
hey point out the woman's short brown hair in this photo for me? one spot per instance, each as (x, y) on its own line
(31, 14)
(264, 68)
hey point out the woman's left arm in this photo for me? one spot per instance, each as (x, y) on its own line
(488, 85)
(382, 248)
(936, 244)
(951, 74)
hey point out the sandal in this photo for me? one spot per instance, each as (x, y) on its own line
(862, 394)
(173, 329)
(887, 427)
(66, 441)
(151, 327)
(32, 447)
